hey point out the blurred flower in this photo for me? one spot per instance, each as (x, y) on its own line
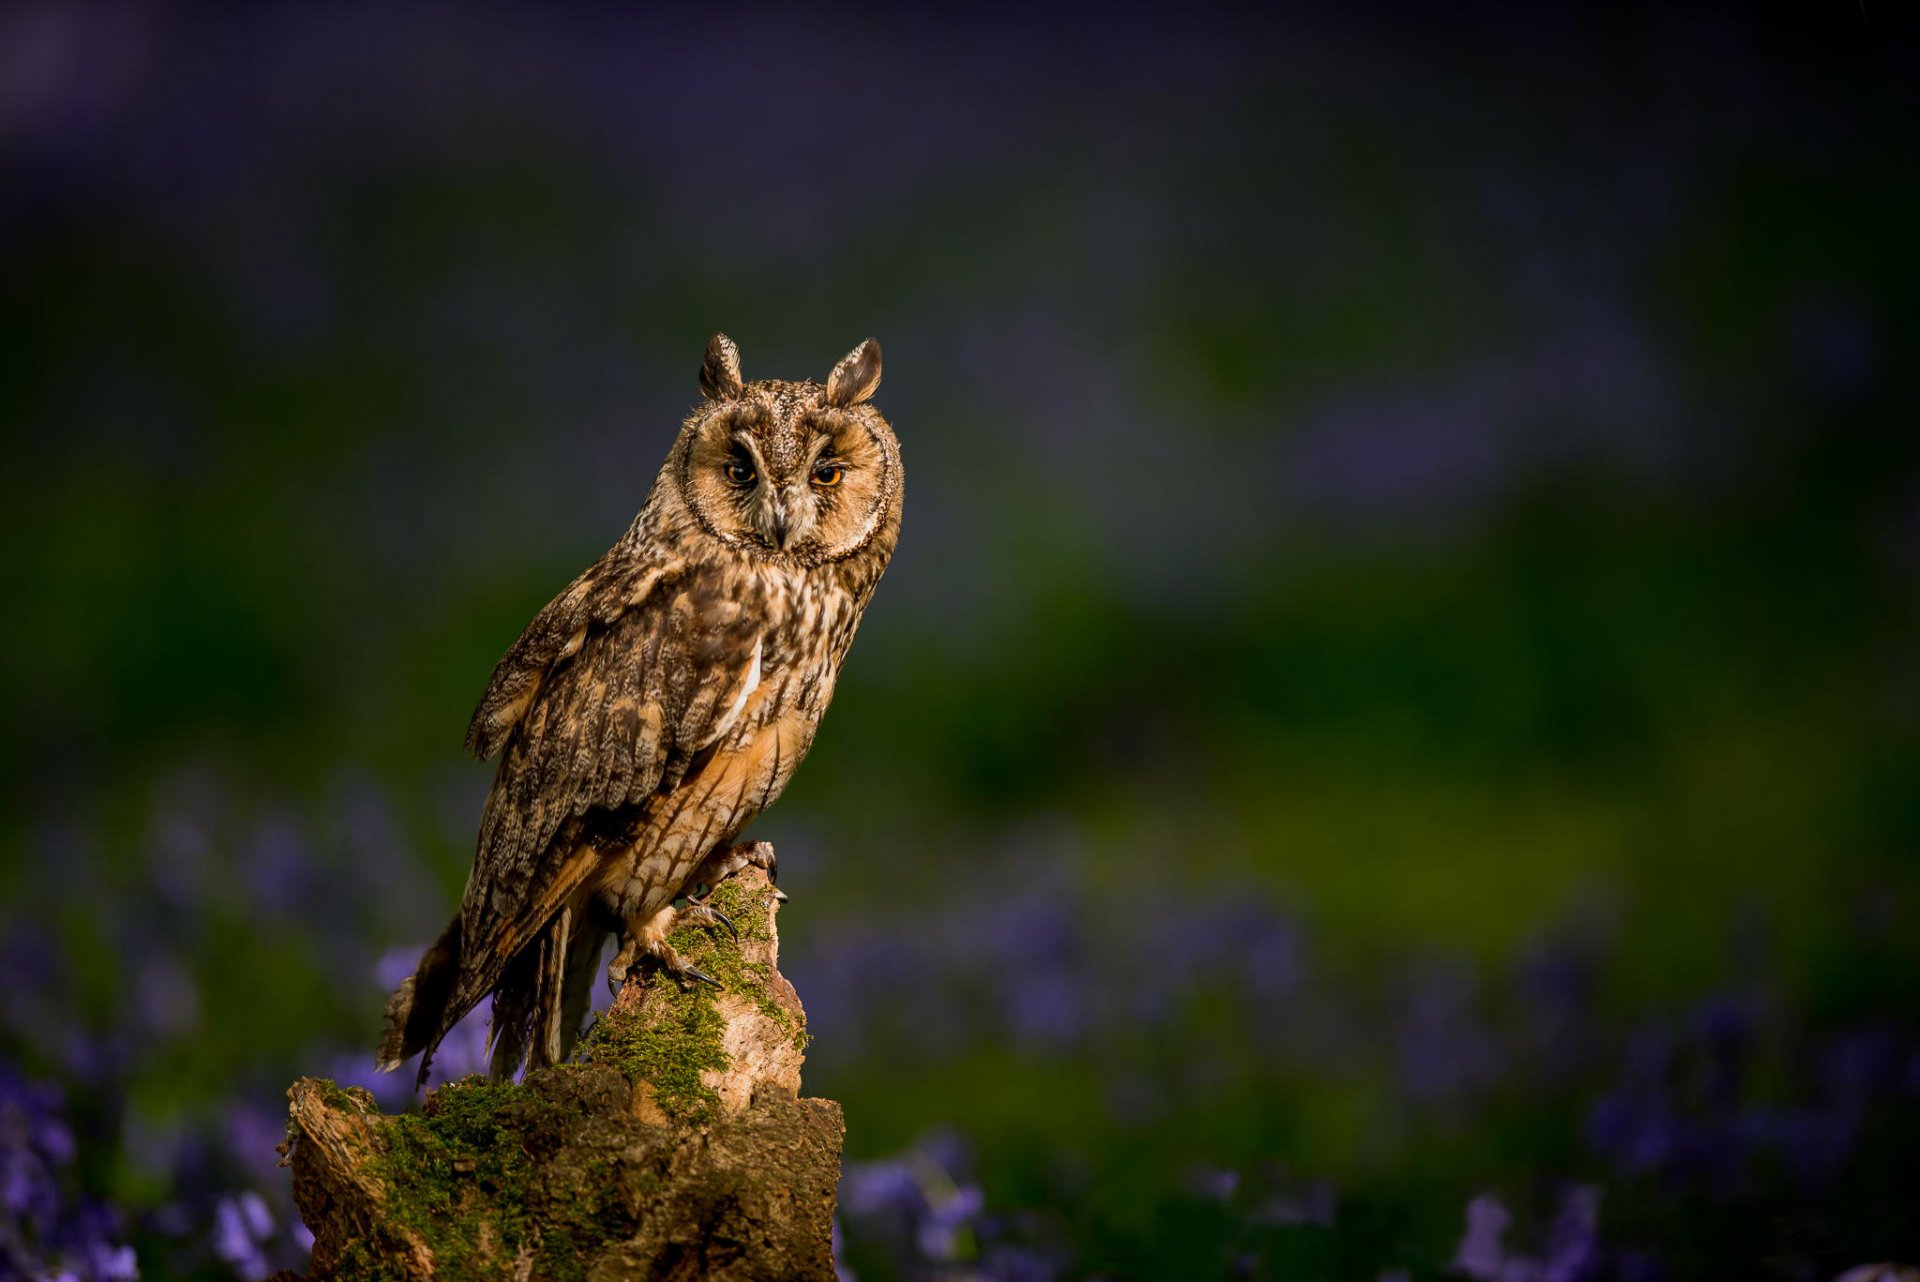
(1479, 1254)
(1572, 1253)
(921, 1210)
(241, 1225)
(841, 1272)
(464, 1052)
(886, 1187)
(949, 1214)
(396, 964)
(47, 1228)
(280, 873)
(1858, 1065)
(253, 1137)
(1445, 1048)
(1213, 1183)
(168, 995)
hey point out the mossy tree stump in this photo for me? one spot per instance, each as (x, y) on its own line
(677, 1148)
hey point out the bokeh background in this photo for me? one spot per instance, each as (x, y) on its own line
(1389, 748)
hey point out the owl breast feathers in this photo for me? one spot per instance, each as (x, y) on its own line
(655, 707)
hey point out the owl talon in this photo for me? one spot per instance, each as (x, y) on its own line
(761, 855)
(617, 976)
(695, 973)
(684, 971)
(620, 969)
(699, 914)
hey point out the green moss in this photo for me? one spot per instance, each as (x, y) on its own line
(363, 1259)
(749, 906)
(670, 1054)
(472, 1175)
(346, 1099)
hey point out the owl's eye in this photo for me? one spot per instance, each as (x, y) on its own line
(828, 475)
(739, 473)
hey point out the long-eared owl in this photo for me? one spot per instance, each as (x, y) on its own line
(655, 707)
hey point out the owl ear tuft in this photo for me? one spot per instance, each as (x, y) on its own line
(720, 373)
(856, 376)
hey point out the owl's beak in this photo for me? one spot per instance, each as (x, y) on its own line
(780, 521)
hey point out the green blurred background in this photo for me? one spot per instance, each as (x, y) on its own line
(1399, 507)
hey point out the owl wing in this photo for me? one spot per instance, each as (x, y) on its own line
(607, 697)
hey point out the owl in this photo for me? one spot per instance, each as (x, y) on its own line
(656, 706)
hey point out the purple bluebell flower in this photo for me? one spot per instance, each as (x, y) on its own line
(34, 1143)
(1859, 1065)
(1725, 1029)
(1480, 1254)
(46, 1227)
(253, 1136)
(880, 1188)
(464, 1051)
(1215, 1184)
(396, 964)
(234, 1238)
(109, 1262)
(1045, 1009)
(1573, 1251)
(168, 995)
(841, 1272)
(922, 1207)
(281, 876)
(1273, 955)
(950, 1213)
(1445, 1049)
(1633, 1127)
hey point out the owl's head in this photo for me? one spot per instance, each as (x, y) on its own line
(806, 471)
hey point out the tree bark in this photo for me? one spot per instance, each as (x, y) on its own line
(676, 1148)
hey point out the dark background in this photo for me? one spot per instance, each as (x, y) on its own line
(1395, 715)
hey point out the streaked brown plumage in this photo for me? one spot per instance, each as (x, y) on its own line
(655, 707)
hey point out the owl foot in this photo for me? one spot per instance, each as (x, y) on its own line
(647, 940)
(728, 860)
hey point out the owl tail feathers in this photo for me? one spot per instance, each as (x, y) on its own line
(545, 994)
(418, 1013)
